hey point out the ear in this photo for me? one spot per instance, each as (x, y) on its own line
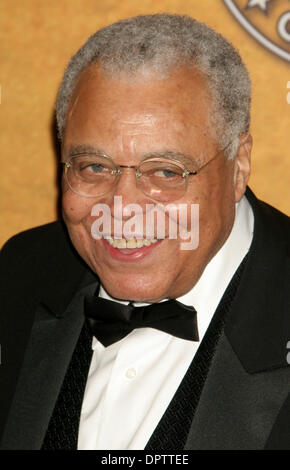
(243, 165)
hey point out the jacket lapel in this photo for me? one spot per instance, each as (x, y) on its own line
(39, 266)
(248, 381)
(50, 347)
(237, 410)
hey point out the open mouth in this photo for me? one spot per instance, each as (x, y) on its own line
(124, 249)
(122, 243)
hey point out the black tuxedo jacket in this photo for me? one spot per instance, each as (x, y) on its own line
(245, 401)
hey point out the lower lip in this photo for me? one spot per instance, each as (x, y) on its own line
(129, 254)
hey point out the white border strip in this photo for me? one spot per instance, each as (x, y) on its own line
(254, 32)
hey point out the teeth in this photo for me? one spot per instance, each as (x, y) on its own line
(132, 243)
(139, 243)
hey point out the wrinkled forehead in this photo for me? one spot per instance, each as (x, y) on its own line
(182, 87)
(125, 109)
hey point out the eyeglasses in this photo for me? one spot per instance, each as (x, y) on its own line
(162, 179)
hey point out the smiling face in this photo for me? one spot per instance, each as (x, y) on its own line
(129, 120)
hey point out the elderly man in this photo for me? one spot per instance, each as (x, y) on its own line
(119, 341)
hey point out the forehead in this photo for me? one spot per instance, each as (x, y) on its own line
(145, 108)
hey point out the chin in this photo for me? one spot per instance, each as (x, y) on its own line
(140, 290)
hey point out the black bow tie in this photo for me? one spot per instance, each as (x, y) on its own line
(111, 321)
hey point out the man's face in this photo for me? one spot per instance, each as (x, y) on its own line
(129, 119)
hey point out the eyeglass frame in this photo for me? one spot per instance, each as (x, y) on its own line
(118, 168)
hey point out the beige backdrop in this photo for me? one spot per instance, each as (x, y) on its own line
(38, 37)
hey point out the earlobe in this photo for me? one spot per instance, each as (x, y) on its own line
(242, 166)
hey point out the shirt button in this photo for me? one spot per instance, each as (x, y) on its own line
(131, 373)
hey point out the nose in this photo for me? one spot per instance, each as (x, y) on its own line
(127, 187)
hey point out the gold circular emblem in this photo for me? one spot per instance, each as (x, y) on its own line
(268, 21)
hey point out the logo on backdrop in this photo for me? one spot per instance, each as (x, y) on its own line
(268, 21)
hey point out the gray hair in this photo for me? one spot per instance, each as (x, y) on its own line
(161, 42)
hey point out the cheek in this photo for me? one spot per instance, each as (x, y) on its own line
(217, 194)
(75, 208)
(215, 198)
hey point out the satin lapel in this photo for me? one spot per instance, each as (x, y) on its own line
(50, 272)
(236, 410)
(248, 381)
(48, 354)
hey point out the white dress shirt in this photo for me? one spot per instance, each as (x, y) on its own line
(131, 383)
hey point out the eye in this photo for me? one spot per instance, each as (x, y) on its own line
(95, 167)
(88, 166)
(166, 173)
(91, 170)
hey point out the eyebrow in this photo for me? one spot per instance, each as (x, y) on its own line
(83, 148)
(186, 159)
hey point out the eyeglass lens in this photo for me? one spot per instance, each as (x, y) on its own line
(94, 175)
